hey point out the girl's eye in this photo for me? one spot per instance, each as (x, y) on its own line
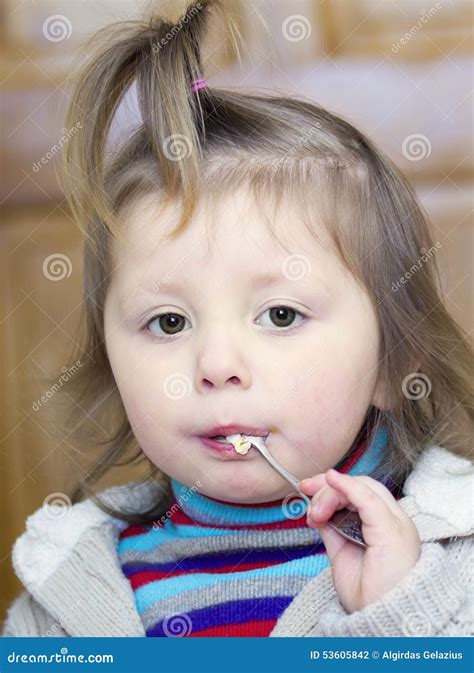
(283, 316)
(166, 324)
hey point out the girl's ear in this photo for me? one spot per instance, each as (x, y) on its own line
(381, 397)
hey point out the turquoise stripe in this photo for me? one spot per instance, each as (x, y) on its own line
(157, 536)
(373, 455)
(216, 511)
(166, 588)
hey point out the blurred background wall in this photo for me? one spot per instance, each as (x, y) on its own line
(400, 70)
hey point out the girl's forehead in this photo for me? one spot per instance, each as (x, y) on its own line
(234, 227)
(237, 250)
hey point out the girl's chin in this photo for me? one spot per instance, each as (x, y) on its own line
(245, 492)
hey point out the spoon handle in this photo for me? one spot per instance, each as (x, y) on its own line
(346, 523)
(259, 444)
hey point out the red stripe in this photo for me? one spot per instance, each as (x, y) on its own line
(180, 517)
(261, 628)
(273, 503)
(132, 531)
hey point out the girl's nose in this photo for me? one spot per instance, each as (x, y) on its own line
(219, 381)
(221, 370)
(221, 360)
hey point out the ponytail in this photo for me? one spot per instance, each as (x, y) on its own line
(164, 59)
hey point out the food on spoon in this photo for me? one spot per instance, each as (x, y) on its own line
(241, 443)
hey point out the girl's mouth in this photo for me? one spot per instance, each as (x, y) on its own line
(219, 444)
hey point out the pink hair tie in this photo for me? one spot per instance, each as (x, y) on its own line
(197, 84)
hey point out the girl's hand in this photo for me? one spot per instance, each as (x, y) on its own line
(362, 575)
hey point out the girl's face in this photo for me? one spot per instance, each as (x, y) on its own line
(250, 333)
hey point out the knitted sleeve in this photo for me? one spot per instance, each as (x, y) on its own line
(26, 618)
(434, 599)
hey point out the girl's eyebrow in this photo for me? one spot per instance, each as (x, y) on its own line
(262, 280)
(267, 279)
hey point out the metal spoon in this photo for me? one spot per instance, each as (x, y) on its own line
(346, 523)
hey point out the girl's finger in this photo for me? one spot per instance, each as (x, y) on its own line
(326, 502)
(317, 484)
(376, 515)
(314, 484)
(383, 492)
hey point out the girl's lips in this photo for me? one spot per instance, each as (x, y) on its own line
(226, 449)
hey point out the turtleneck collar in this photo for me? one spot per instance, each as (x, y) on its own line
(364, 459)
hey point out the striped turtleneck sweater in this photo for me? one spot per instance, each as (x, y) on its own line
(215, 568)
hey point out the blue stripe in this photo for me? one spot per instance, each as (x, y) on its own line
(230, 612)
(213, 560)
(148, 594)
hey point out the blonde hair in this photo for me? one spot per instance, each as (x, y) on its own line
(279, 148)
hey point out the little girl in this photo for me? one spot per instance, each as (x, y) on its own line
(222, 216)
